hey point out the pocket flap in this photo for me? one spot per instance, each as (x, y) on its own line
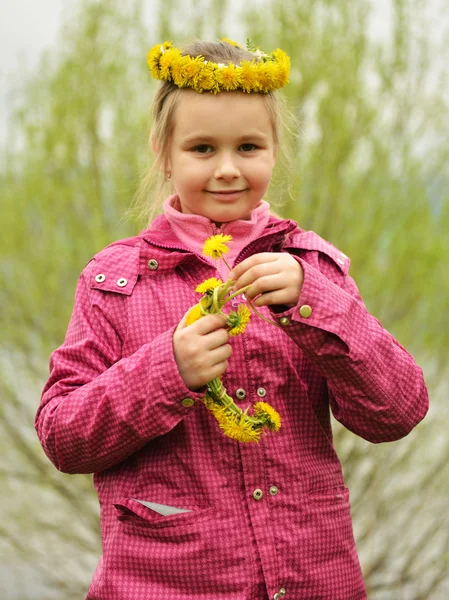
(162, 509)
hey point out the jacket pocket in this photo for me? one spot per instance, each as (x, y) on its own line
(132, 512)
(330, 497)
(186, 556)
(318, 545)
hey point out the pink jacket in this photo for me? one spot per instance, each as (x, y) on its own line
(187, 513)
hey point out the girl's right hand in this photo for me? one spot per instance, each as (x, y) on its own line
(201, 350)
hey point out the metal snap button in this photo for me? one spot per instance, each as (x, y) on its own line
(273, 490)
(282, 592)
(153, 264)
(261, 392)
(284, 321)
(305, 311)
(122, 282)
(100, 278)
(187, 402)
(240, 393)
(257, 494)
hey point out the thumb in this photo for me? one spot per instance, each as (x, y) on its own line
(183, 322)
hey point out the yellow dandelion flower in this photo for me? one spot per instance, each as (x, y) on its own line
(187, 70)
(228, 41)
(266, 75)
(248, 77)
(208, 286)
(218, 411)
(166, 62)
(282, 61)
(153, 61)
(154, 56)
(263, 409)
(197, 311)
(176, 66)
(282, 75)
(231, 77)
(237, 321)
(242, 432)
(215, 246)
(208, 78)
(194, 314)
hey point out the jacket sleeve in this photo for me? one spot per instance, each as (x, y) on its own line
(98, 408)
(376, 390)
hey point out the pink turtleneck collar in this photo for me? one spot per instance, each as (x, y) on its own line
(193, 230)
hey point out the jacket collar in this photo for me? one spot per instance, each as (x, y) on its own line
(159, 243)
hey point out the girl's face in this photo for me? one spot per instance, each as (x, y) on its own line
(221, 154)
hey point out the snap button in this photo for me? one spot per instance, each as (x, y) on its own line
(261, 392)
(257, 494)
(284, 321)
(122, 282)
(273, 490)
(153, 264)
(305, 311)
(187, 402)
(282, 592)
(100, 278)
(240, 393)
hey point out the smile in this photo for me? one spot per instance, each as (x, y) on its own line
(226, 194)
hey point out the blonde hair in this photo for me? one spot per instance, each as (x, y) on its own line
(154, 187)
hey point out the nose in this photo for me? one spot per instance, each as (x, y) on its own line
(226, 167)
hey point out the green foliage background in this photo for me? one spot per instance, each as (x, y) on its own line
(370, 174)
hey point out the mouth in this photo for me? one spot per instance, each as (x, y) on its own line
(226, 194)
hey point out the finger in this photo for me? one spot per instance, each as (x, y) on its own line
(264, 284)
(255, 273)
(269, 298)
(217, 370)
(253, 260)
(183, 322)
(209, 323)
(220, 354)
(216, 339)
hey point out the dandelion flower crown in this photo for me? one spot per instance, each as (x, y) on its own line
(264, 73)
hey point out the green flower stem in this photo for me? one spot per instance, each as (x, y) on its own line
(226, 262)
(261, 315)
(219, 394)
(237, 293)
(224, 288)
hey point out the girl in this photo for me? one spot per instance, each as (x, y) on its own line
(187, 513)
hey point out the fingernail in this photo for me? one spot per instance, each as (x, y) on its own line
(231, 275)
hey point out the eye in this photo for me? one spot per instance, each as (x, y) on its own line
(202, 149)
(248, 147)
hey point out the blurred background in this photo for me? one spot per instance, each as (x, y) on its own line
(370, 87)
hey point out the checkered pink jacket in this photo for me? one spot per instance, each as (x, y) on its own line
(187, 513)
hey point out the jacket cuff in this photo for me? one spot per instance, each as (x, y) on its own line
(323, 308)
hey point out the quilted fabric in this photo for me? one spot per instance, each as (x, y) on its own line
(260, 521)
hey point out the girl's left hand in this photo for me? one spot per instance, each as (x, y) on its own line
(276, 277)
